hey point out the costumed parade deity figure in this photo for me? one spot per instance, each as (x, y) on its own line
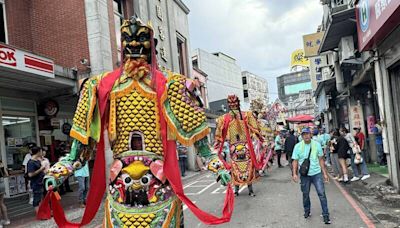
(239, 128)
(264, 149)
(136, 115)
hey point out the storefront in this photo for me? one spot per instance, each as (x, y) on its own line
(378, 29)
(27, 83)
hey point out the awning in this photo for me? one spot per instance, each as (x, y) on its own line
(300, 119)
(342, 24)
(23, 81)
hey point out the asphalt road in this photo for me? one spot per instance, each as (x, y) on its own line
(278, 204)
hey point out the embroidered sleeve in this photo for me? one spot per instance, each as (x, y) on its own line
(186, 120)
(86, 122)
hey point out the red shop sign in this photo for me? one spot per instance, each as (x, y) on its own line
(375, 20)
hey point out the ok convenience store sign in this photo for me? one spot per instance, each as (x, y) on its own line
(16, 59)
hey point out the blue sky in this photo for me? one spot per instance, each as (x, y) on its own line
(260, 34)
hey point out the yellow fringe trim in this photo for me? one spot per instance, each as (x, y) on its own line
(90, 111)
(76, 135)
(151, 95)
(107, 223)
(174, 130)
(170, 215)
(178, 213)
(112, 121)
(171, 126)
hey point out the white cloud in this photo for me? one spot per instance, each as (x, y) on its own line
(260, 34)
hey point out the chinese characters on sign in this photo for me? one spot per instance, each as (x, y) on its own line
(163, 54)
(311, 43)
(159, 12)
(357, 117)
(380, 6)
(161, 33)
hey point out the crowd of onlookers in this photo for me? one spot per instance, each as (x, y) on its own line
(341, 148)
(36, 165)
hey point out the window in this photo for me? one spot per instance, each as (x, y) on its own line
(3, 24)
(182, 54)
(244, 80)
(118, 17)
(245, 93)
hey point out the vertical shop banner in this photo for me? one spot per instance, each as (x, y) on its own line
(357, 117)
(371, 124)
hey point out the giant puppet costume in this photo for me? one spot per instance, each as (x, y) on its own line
(239, 129)
(136, 116)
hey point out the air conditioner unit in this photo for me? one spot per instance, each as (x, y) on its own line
(326, 73)
(346, 48)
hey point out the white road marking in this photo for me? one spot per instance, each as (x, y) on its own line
(217, 190)
(201, 191)
(240, 189)
(193, 184)
(186, 207)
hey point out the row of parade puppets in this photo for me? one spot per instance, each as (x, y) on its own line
(135, 115)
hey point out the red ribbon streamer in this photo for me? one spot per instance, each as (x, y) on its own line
(171, 170)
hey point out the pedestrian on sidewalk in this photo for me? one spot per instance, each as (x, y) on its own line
(324, 138)
(316, 175)
(182, 154)
(36, 175)
(342, 149)
(3, 208)
(358, 157)
(377, 130)
(337, 169)
(290, 142)
(28, 157)
(82, 175)
(278, 148)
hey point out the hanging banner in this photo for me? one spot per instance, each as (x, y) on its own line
(371, 124)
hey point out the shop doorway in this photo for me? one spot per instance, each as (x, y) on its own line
(18, 130)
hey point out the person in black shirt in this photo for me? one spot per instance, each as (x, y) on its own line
(290, 142)
(36, 174)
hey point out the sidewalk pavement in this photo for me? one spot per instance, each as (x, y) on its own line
(379, 198)
(72, 210)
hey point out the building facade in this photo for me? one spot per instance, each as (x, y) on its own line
(359, 84)
(47, 47)
(290, 85)
(254, 87)
(224, 75)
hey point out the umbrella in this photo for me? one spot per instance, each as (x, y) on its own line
(300, 118)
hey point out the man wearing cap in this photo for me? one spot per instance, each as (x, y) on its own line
(317, 173)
